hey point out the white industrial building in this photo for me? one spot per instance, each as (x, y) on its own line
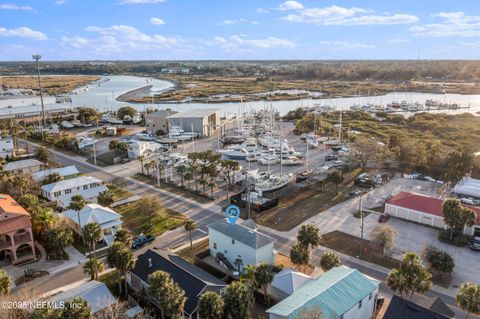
(425, 210)
(158, 120)
(468, 187)
(201, 121)
(237, 241)
(6, 146)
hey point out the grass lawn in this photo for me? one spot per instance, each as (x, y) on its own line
(154, 225)
(305, 203)
(189, 254)
(119, 193)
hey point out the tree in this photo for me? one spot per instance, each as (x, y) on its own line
(43, 219)
(149, 205)
(367, 149)
(299, 255)
(190, 226)
(396, 281)
(411, 277)
(120, 258)
(456, 217)
(468, 298)
(56, 240)
(439, 260)
(92, 268)
(336, 177)
(125, 237)
(309, 236)
(44, 155)
(77, 203)
(113, 145)
(328, 260)
(52, 178)
(21, 182)
(126, 110)
(182, 169)
(210, 306)
(5, 283)
(238, 301)
(77, 308)
(88, 114)
(46, 313)
(141, 158)
(167, 293)
(29, 202)
(92, 234)
(263, 277)
(384, 236)
(249, 274)
(106, 198)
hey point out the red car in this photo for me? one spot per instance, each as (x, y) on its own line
(383, 218)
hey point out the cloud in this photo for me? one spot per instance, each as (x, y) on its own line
(243, 43)
(237, 21)
(341, 45)
(140, 1)
(23, 32)
(60, 2)
(475, 45)
(11, 6)
(452, 24)
(290, 5)
(263, 10)
(398, 41)
(157, 21)
(336, 15)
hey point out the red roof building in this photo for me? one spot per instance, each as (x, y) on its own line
(422, 209)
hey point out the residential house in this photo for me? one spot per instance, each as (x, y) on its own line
(286, 282)
(62, 192)
(26, 166)
(95, 293)
(425, 210)
(400, 308)
(237, 241)
(6, 147)
(158, 120)
(16, 238)
(193, 280)
(340, 293)
(108, 220)
(66, 172)
(142, 148)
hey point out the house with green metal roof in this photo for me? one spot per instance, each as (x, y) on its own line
(340, 293)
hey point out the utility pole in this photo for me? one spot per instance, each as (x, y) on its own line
(37, 57)
(361, 227)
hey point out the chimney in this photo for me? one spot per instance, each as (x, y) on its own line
(150, 263)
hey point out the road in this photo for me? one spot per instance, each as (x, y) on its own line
(203, 215)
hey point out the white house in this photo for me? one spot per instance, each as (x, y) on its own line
(6, 146)
(424, 210)
(26, 166)
(286, 282)
(142, 148)
(108, 220)
(61, 192)
(237, 241)
(65, 172)
(340, 293)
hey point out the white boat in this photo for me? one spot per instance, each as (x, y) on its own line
(236, 153)
(67, 125)
(291, 160)
(136, 119)
(269, 160)
(85, 141)
(145, 136)
(77, 123)
(265, 182)
(253, 156)
(114, 121)
(312, 141)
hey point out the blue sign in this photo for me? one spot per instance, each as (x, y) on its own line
(232, 212)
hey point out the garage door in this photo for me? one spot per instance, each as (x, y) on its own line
(402, 213)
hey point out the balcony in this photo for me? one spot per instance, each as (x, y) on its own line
(22, 239)
(5, 244)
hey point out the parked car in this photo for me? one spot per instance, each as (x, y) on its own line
(331, 157)
(364, 180)
(354, 193)
(142, 240)
(475, 244)
(383, 218)
(339, 163)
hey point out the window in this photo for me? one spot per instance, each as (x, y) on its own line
(233, 241)
(370, 296)
(68, 191)
(214, 245)
(360, 304)
(56, 194)
(85, 186)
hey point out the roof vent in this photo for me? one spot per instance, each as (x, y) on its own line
(150, 265)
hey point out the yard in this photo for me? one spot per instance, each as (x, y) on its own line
(189, 254)
(306, 203)
(156, 224)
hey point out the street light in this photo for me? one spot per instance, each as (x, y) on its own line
(37, 57)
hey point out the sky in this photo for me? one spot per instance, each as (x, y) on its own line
(241, 29)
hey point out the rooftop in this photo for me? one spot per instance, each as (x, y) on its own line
(241, 233)
(425, 204)
(161, 113)
(402, 308)
(62, 171)
(189, 277)
(10, 206)
(195, 113)
(93, 213)
(288, 281)
(334, 292)
(70, 183)
(21, 164)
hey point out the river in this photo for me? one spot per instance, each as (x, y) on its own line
(102, 95)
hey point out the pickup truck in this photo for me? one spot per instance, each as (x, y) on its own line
(142, 240)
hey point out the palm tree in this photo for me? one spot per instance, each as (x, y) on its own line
(328, 260)
(468, 298)
(120, 258)
(188, 177)
(113, 145)
(211, 184)
(299, 255)
(44, 155)
(77, 308)
(210, 306)
(397, 282)
(167, 293)
(336, 177)
(204, 183)
(5, 283)
(92, 234)
(309, 236)
(411, 277)
(43, 219)
(21, 182)
(249, 271)
(238, 301)
(125, 237)
(56, 240)
(92, 268)
(181, 169)
(190, 226)
(77, 203)
(52, 178)
(106, 198)
(141, 158)
(263, 276)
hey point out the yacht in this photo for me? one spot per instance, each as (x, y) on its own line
(291, 160)
(67, 125)
(266, 182)
(269, 160)
(236, 153)
(145, 136)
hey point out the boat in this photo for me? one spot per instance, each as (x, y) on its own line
(236, 153)
(136, 119)
(77, 123)
(67, 125)
(291, 160)
(265, 182)
(145, 136)
(253, 156)
(303, 175)
(269, 160)
(114, 121)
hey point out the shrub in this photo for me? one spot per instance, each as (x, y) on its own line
(439, 260)
(459, 240)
